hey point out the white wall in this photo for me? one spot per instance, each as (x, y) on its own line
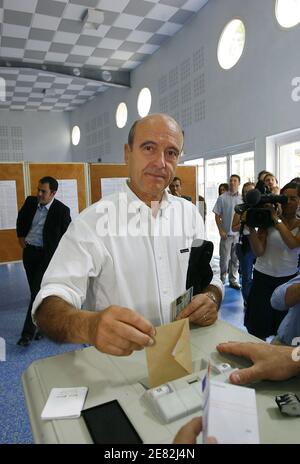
(245, 104)
(37, 136)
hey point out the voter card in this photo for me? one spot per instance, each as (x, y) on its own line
(180, 303)
(229, 413)
(64, 403)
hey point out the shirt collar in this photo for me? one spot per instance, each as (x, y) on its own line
(165, 201)
(47, 206)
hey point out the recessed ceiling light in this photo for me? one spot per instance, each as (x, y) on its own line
(76, 71)
(92, 19)
(106, 75)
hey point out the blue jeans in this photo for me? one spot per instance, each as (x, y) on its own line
(246, 259)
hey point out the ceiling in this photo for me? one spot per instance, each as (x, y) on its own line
(42, 41)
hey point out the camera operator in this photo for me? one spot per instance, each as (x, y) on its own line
(276, 248)
(243, 249)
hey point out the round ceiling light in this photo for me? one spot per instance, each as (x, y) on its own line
(121, 115)
(75, 135)
(144, 102)
(231, 44)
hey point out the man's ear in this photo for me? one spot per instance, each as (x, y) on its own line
(126, 153)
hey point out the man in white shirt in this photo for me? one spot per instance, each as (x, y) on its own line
(224, 211)
(125, 276)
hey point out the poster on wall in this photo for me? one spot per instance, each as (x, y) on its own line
(112, 185)
(8, 204)
(67, 193)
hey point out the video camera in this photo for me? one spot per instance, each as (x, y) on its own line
(257, 215)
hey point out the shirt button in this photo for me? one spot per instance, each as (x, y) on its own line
(165, 291)
(160, 257)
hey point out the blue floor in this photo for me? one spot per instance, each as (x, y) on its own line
(14, 298)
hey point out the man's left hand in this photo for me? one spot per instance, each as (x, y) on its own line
(201, 310)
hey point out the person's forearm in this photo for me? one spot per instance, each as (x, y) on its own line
(292, 295)
(289, 239)
(61, 322)
(219, 224)
(236, 223)
(257, 246)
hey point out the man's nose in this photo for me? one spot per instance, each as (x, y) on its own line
(160, 159)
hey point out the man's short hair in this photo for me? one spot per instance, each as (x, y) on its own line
(237, 176)
(53, 184)
(175, 179)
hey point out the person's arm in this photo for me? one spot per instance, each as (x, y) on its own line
(289, 239)
(65, 220)
(236, 222)
(292, 295)
(270, 362)
(219, 223)
(115, 330)
(258, 241)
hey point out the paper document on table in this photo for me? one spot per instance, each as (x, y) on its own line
(64, 403)
(230, 413)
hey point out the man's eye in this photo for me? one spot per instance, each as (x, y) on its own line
(172, 154)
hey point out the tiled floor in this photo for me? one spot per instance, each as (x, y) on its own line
(14, 297)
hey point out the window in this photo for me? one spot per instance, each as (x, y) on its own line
(243, 165)
(121, 115)
(144, 102)
(75, 135)
(289, 162)
(231, 44)
(287, 12)
(215, 174)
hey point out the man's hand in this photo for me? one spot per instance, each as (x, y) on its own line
(270, 362)
(120, 331)
(223, 235)
(201, 310)
(187, 435)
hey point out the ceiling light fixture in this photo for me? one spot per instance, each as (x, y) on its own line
(76, 72)
(106, 75)
(92, 19)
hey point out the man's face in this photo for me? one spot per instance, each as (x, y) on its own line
(270, 182)
(234, 184)
(153, 158)
(44, 194)
(175, 188)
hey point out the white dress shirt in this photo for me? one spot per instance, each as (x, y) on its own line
(94, 267)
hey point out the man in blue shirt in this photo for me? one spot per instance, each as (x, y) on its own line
(287, 296)
(41, 223)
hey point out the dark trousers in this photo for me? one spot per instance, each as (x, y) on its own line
(35, 267)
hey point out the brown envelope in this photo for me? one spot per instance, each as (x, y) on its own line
(170, 357)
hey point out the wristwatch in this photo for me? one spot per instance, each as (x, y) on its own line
(213, 297)
(277, 221)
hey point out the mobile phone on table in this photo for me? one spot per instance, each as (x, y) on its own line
(109, 424)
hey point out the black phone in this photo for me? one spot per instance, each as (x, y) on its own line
(108, 424)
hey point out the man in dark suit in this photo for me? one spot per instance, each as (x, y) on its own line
(41, 223)
(175, 189)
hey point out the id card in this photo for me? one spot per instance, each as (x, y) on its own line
(180, 303)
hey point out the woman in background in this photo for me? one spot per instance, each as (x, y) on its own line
(277, 249)
(243, 249)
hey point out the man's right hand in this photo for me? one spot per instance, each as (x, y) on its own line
(223, 235)
(120, 331)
